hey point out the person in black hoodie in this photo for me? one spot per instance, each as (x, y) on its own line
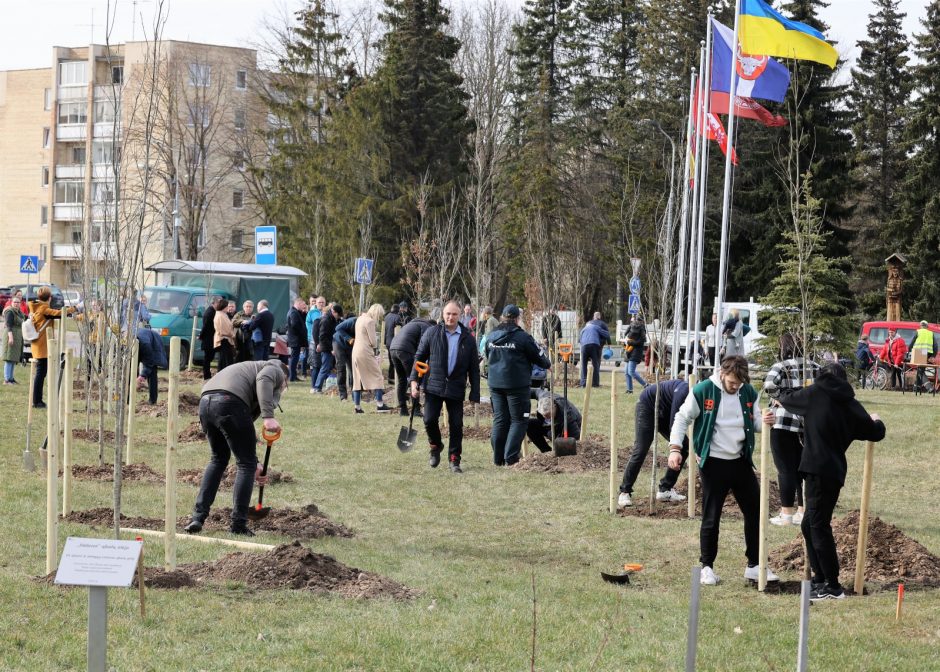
(832, 419)
(511, 352)
(207, 337)
(391, 321)
(450, 352)
(402, 350)
(296, 335)
(325, 343)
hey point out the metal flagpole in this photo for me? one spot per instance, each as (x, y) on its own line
(700, 252)
(701, 144)
(683, 231)
(726, 201)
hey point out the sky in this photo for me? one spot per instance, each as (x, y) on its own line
(30, 28)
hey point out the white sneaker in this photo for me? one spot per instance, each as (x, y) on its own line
(783, 519)
(797, 517)
(624, 499)
(753, 573)
(709, 578)
(669, 496)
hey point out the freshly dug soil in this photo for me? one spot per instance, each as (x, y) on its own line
(593, 454)
(289, 566)
(194, 477)
(129, 472)
(484, 411)
(678, 510)
(91, 435)
(892, 557)
(306, 523)
(193, 433)
(194, 376)
(481, 433)
(189, 405)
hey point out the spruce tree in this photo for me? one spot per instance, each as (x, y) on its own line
(878, 100)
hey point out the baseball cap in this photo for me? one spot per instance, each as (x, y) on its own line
(511, 310)
(403, 305)
(923, 323)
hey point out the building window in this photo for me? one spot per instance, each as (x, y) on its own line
(69, 191)
(237, 242)
(238, 199)
(47, 99)
(102, 192)
(43, 251)
(75, 231)
(104, 112)
(199, 74)
(78, 156)
(195, 156)
(45, 176)
(198, 114)
(72, 73)
(72, 113)
(75, 274)
(241, 79)
(240, 119)
(43, 215)
(46, 138)
(203, 239)
(238, 159)
(105, 153)
(117, 74)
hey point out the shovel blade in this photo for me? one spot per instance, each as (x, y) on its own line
(254, 513)
(565, 446)
(28, 463)
(406, 439)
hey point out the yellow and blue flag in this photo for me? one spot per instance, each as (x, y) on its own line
(763, 30)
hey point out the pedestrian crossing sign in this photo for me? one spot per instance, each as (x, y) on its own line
(633, 307)
(29, 264)
(364, 271)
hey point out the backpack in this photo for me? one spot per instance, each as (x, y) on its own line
(30, 333)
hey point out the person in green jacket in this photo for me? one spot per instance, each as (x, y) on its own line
(11, 338)
(724, 414)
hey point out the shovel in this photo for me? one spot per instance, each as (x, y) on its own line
(407, 436)
(565, 445)
(259, 512)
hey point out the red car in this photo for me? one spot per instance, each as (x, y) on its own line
(878, 333)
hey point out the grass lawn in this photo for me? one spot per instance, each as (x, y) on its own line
(474, 545)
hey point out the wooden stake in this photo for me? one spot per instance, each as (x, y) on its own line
(29, 463)
(172, 436)
(614, 465)
(587, 401)
(234, 543)
(131, 401)
(691, 646)
(67, 386)
(692, 472)
(192, 344)
(140, 579)
(52, 459)
(862, 548)
(802, 655)
(764, 506)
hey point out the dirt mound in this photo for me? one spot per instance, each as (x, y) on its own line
(681, 509)
(593, 454)
(481, 433)
(289, 566)
(193, 433)
(892, 557)
(194, 477)
(483, 410)
(102, 517)
(129, 472)
(188, 405)
(91, 435)
(193, 376)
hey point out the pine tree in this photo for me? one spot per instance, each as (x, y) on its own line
(878, 100)
(922, 205)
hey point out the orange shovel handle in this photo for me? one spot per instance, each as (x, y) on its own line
(270, 437)
(421, 368)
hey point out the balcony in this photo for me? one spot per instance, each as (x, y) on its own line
(105, 93)
(70, 132)
(74, 251)
(102, 171)
(68, 212)
(77, 92)
(107, 129)
(71, 171)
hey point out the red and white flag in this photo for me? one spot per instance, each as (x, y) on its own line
(716, 132)
(748, 108)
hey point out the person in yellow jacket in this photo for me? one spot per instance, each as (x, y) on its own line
(43, 316)
(923, 343)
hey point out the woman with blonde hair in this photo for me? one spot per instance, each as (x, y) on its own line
(367, 370)
(224, 338)
(11, 338)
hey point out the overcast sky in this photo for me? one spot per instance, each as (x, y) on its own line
(29, 28)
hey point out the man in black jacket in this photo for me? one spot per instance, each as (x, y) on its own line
(832, 419)
(262, 326)
(511, 353)
(402, 351)
(450, 352)
(325, 343)
(296, 335)
(391, 321)
(207, 338)
(550, 419)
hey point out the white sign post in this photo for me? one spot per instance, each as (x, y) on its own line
(98, 564)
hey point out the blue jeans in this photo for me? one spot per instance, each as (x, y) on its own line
(376, 394)
(8, 371)
(294, 359)
(632, 375)
(510, 420)
(326, 368)
(313, 357)
(260, 351)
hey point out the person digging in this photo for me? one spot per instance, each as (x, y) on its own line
(230, 403)
(540, 428)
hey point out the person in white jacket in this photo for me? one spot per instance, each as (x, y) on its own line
(725, 416)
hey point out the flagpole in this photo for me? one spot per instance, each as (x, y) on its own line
(726, 200)
(683, 232)
(701, 144)
(700, 253)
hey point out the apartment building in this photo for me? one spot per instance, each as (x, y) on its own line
(130, 151)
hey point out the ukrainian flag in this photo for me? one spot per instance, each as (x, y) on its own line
(762, 30)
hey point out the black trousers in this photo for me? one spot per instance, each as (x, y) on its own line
(39, 380)
(402, 362)
(787, 450)
(433, 405)
(208, 354)
(226, 355)
(344, 374)
(822, 495)
(591, 353)
(644, 435)
(150, 373)
(719, 477)
(391, 367)
(539, 433)
(227, 422)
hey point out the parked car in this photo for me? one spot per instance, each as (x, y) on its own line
(73, 298)
(57, 301)
(877, 332)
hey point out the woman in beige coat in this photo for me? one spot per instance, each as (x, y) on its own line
(367, 372)
(224, 342)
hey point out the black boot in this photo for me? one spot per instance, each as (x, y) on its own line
(194, 527)
(435, 458)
